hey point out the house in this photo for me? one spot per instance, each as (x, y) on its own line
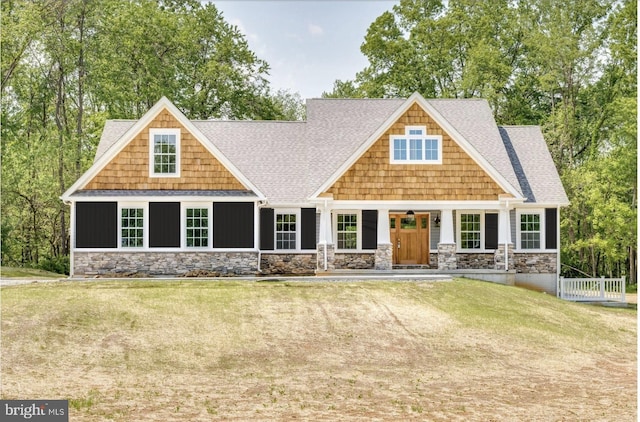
(362, 184)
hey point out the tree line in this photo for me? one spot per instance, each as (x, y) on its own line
(68, 65)
(570, 67)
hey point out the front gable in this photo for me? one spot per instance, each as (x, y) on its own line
(199, 169)
(126, 165)
(459, 176)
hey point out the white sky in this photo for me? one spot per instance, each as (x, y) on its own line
(307, 43)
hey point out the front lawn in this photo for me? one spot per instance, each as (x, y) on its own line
(237, 350)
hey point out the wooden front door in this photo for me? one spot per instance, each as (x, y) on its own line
(410, 238)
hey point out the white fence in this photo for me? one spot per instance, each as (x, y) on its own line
(592, 289)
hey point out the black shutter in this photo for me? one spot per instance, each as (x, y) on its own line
(308, 232)
(369, 229)
(164, 224)
(96, 225)
(491, 231)
(233, 225)
(551, 228)
(266, 229)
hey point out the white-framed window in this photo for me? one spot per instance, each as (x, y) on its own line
(470, 230)
(132, 225)
(415, 147)
(530, 229)
(347, 227)
(197, 230)
(164, 152)
(286, 229)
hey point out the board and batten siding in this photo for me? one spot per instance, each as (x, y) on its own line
(199, 169)
(373, 177)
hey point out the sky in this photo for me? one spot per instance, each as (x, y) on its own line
(307, 43)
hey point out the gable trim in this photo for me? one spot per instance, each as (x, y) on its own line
(143, 122)
(443, 123)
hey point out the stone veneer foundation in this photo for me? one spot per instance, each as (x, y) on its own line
(320, 257)
(499, 258)
(473, 261)
(165, 263)
(383, 258)
(277, 263)
(354, 261)
(447, 259)
(535, 263)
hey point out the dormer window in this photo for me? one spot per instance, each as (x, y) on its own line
(415, 147)
(164, 152)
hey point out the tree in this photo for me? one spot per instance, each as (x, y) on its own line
(67, 65)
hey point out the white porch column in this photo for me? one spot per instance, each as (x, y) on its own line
(446, 227)
(384, 248)
(384, 237)
(447, 259)
(504, 227)
(504, 253)
(326, 234)
(325, 248)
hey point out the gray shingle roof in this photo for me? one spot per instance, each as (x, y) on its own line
(530, 158)
(288, 161)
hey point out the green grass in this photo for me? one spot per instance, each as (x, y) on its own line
(192, 350)
(20, 272)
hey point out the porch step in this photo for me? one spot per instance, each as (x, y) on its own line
(412, 267)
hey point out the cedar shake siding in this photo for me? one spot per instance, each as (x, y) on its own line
(130, 168)
(373, 177)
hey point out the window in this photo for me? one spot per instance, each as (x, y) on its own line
(286, 231)
(530, 230)
(470, 231)
(399, 149)
(197, 226)
(416, 147)
(164, 152)
(132, 227)
(347, 231)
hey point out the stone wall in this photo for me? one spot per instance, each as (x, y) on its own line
(447, 259)
(536, 263)
(320, 259)
(165, 263)
(475, 261)
(354, 261)
(499, 258)
(384, 257)
(278, 263)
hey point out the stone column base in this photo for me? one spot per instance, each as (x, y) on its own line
(320, 262)
(447, 259)
(384, 256)
(499, 258)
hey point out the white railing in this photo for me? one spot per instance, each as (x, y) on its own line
(592, 289)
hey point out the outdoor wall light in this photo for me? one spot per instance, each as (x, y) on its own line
(436, 221)
(411, 215)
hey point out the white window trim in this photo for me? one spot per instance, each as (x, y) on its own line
(183, 225)
(334, 219)
(459, 230)
(297, 213)
(145, 225)
(543, 241)
(167, 131)
(408, 138)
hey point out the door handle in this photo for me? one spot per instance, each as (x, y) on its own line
(398, 243)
